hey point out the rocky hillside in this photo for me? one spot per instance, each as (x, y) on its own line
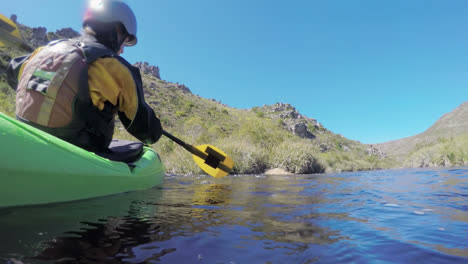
(258, 139)
(450, 125)
(443, 144)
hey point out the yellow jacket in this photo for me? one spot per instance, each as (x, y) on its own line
(110, 80)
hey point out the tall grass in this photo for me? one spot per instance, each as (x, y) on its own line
(255, 142)
(297, 157)
(445, 152)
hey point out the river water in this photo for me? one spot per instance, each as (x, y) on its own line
(389, 216)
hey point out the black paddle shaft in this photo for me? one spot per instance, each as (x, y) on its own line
(188, 147)
(213, 158)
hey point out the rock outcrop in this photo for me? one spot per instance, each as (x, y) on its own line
(292, 120)
(373, 151)
(38, 36)
(301, 130)
(145, 68)
(67, 33)
(183, 88)
(13, 18)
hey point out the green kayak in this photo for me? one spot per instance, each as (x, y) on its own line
(38, 168)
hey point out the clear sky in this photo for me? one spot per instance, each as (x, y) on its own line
(371, 70)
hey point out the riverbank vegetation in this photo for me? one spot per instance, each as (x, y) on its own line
(451, 151)
(256, 142)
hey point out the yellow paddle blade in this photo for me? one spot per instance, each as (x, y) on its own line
(216, 163)
(9, 32)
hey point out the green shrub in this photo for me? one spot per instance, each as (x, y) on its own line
(444, 152)
(296, 157)
(188, 107)
(247, 158)
(180, 114)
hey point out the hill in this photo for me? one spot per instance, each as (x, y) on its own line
(258, 139)
(444, 143)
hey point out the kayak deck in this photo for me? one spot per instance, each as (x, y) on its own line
(38, 168)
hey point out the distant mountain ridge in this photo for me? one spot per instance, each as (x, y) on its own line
(452, 124)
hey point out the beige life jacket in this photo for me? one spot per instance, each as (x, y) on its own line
(53, 93)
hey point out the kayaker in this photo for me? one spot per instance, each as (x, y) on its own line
(74, 88)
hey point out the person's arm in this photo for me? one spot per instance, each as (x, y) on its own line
(118, 82)
(146, 126)
(15, 67)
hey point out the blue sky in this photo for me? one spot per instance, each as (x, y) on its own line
(371, 70)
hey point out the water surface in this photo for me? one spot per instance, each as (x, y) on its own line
(391, 216)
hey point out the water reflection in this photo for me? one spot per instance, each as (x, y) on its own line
(61, 231)
(267, 211)
(108, 241)
(211, 194)
(394, 216)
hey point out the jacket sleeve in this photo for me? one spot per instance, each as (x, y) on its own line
(145, 126)
(13, 70)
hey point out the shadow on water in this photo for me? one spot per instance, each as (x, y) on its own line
(390, 216)
(76, 231)
(188, 212)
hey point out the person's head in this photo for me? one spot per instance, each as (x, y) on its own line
(112, 22)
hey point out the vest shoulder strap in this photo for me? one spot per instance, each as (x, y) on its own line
(93, 50)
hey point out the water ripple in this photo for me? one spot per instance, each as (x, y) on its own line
(389, 216)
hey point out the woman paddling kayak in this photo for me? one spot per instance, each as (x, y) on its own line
(73, 88)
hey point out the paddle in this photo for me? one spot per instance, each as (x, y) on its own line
(10, 34)
(211, 160)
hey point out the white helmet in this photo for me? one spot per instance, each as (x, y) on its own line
(108, 11)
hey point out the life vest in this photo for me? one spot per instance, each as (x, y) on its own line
(53, 93)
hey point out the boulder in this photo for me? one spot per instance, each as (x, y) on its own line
(301, 130)
(277, 171)
(151, 70)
